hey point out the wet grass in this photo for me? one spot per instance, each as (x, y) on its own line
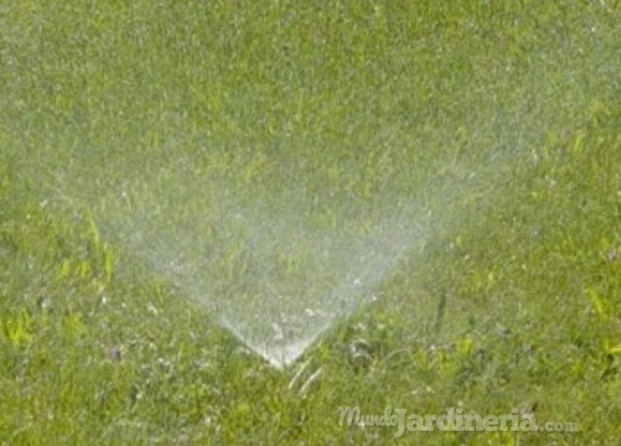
(497, 123)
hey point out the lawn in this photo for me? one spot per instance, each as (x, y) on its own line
(434, 186)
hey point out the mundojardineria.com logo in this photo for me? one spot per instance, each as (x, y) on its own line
(454, 419)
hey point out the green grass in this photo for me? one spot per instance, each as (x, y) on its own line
(495, 125)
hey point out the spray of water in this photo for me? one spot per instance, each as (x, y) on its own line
(275, 266)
